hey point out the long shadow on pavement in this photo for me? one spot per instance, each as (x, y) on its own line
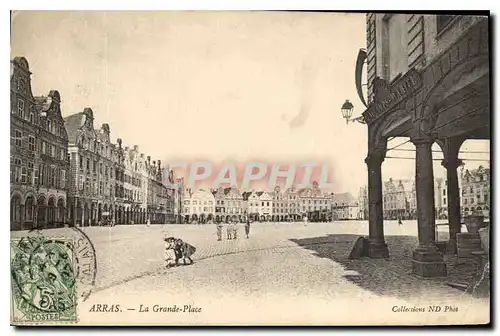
(384, 277)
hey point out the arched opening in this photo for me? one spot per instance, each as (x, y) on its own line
(41, 212)
(78, 213)
(51, 212)
(99, 213)
(86, 215)
(61, 212)
(15, 212)
(29, 210)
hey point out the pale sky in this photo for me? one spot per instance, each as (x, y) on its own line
(213, 85)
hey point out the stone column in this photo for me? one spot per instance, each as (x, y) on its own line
(453, 196)
(75, 211)
(377, 245)
(427, 261)
(21, 216)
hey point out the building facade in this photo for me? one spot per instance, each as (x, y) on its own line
(475, 195)
(314, 203)
(38, 153)
(363, 203)
(86, 183)
(198, 206)
(397, 194)
(344, 206)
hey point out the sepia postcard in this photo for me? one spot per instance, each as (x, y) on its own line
(267, 168)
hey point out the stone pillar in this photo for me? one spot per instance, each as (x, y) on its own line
(453, 196)
(21, 216)
(427, 261)
(75, 211)
(377, 245)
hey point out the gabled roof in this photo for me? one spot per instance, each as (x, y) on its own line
(246, 194)
(343, 198)
(73, 123)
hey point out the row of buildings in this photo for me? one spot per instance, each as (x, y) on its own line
(291, 204)
(67, 171)
(400, 201)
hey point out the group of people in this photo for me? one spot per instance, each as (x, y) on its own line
(232, 230)
(177, 249)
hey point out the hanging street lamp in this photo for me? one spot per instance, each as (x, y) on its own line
(347, 109)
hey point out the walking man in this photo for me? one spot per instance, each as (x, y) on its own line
(247, 228)
(229, 231)
(219, 231)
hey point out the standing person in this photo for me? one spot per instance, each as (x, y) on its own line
(228, 231)
(235, 230)
(219, 231)
(305, 220)
(169, 253)
(247, 228)
(400, 222)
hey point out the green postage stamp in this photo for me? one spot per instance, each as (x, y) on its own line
(43, 280)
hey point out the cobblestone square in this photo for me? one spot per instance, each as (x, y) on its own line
(292, 262)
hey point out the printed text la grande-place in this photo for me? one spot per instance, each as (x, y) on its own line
(115, 308)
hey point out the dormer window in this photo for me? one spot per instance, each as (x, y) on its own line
(443, 21)
(20, 108)
(20, 85)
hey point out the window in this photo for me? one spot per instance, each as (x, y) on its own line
(53, 176)
(35, 176)
(81, 162)
(20, 108)
(15, 170)
(53, 151)
(444, 192)
(443, 21)
(80, 182)
(24, 175)
(63, 179)
(42, 175)
(20, 85)
(88, 164)
(18, 135)
(29, 177)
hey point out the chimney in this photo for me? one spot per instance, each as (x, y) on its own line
(126, 148)
(149, 159)
(119, 142)
(105, 128)
(159, 163)
(136, 148)
(142, 155)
